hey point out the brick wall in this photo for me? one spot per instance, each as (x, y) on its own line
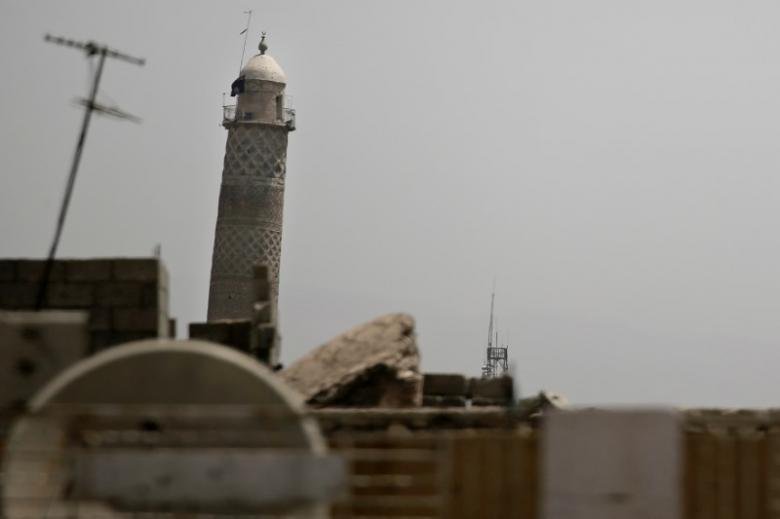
(453, 390)
(127, 298)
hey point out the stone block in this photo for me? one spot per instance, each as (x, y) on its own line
(103, 339)
(443, 401)
(125, 337)
(31, 270)
(453, 401)
(99, 319)
(70, 295)
(479, 401)
(88, 270)
(620, 464)
(163, 324)
(120, 294)
(36, 346)
(264, 344)
(230, 332)
(136, 269)
(7, 271)
(263, 313)
(135, 320)
(99, 340)
(450, 384)
(499, 389)
(150, 294)
(14, 296)
(262, 283)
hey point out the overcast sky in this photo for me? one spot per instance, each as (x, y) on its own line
(614, 165)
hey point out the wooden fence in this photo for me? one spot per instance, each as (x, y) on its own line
(447, 474)
(732, 465)
(731, 470)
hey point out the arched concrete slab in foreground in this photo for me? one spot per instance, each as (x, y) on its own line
(169, 381)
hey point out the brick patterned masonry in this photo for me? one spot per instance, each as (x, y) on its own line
(127, 298)
(249, 219)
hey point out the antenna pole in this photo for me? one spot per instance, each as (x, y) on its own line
(246, 34)
(91, 49)
(490, 326)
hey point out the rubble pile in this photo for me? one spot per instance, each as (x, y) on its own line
(374, 364)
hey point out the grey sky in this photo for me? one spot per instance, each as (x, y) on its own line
(613, 164)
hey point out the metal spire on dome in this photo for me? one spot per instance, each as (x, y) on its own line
(263, 46)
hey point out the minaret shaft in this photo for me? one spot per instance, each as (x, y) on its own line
(249, 219)
(251, 198)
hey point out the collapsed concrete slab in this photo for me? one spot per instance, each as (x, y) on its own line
(374, 364)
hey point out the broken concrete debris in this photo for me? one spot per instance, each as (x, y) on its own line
(540, 403)
(374, 364)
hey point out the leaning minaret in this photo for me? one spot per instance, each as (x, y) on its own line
(251, 199)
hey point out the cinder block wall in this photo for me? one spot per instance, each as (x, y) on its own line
(127, 298)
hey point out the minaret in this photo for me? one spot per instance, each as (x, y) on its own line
(251, 199)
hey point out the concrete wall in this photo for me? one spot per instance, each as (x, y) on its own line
(126, 298)
(612, 464)
(36, 346)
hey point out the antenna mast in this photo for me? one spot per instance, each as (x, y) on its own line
(490, 326)
(496, 361)
(245, 32)
(91, 49)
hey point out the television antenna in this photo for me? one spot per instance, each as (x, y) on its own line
(91, 49)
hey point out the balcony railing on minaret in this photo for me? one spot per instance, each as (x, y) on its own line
(230, 115)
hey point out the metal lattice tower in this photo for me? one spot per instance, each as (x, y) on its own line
(496, 358)
(251, 199)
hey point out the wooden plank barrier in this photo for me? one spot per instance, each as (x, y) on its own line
(731, 470)
(494, 475)
(453, 474)
(732, 466)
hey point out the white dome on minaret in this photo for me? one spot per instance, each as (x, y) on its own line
(263, 67)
